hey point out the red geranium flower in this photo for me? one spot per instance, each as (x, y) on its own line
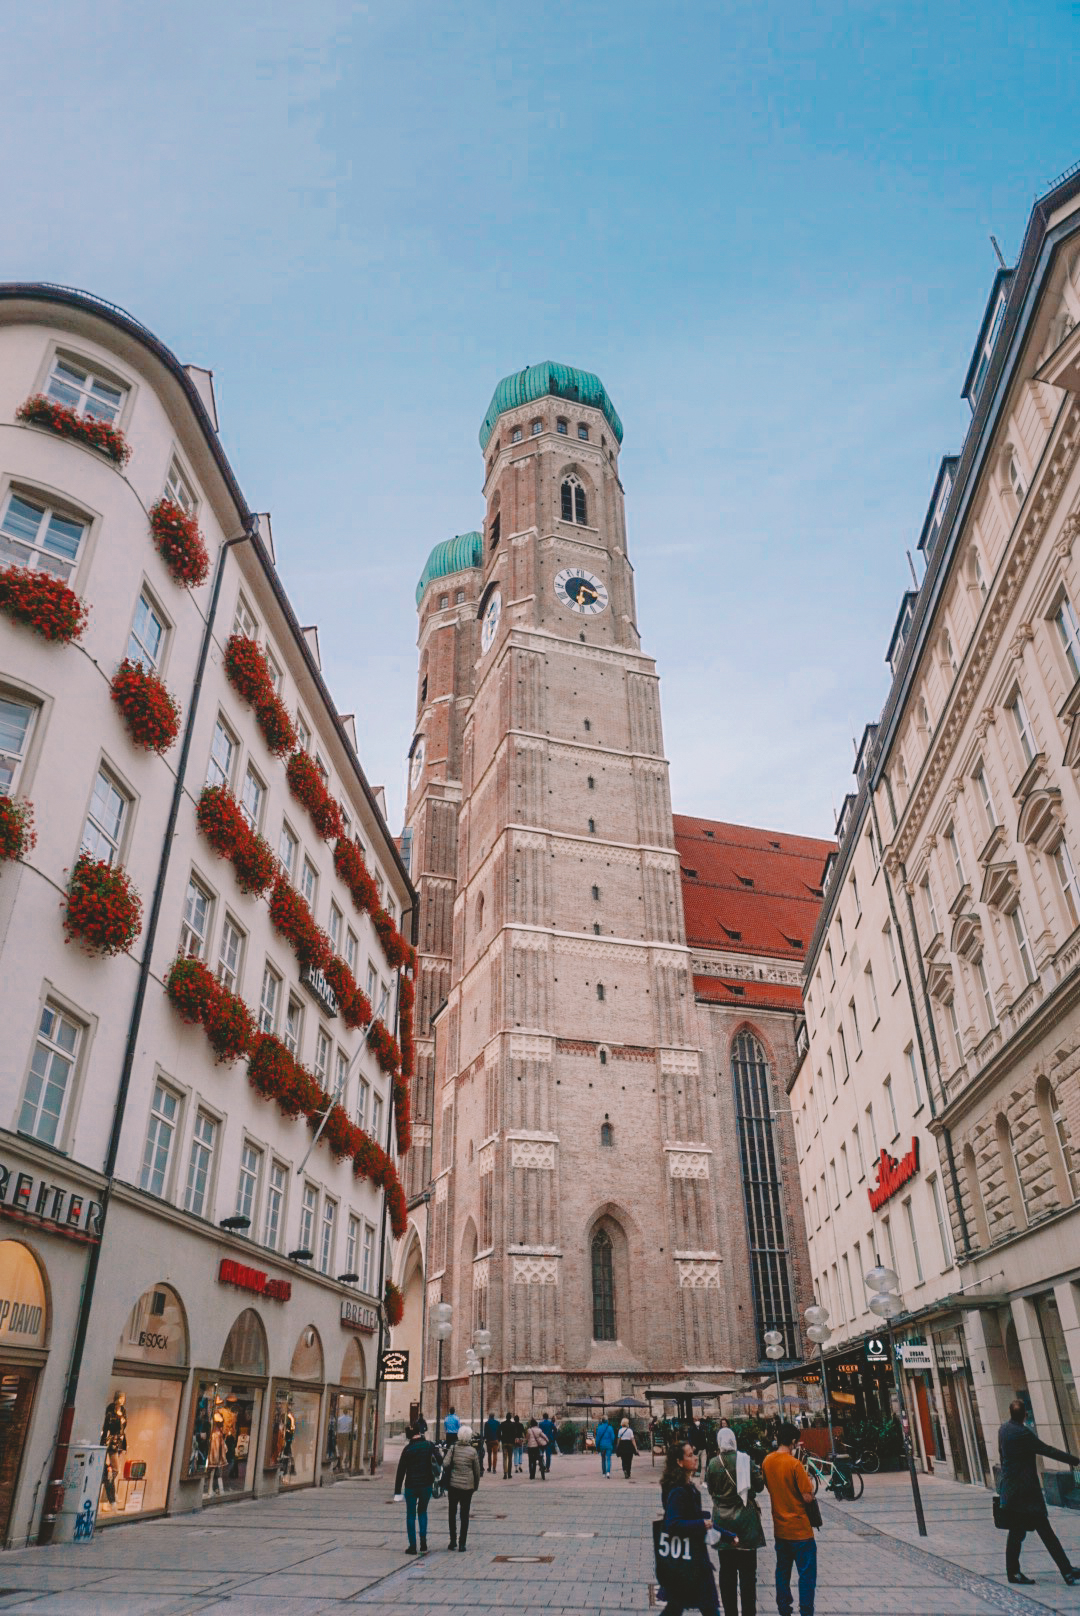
(179, 543)
(350, 866)
(248, 672)
(223, 823)
(308, 786)
(42, 411)
(394, 1303)
(103, 909)
(191, 988)
(17, 834)
(291, 916)
(39, 601)
(353, 1002)
(150, 712)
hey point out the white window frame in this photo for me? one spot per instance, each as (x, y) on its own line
(1025, 735)
(162, 1130)
(363, 1096)
(31, 1110)
(195, 944)
(352, 1243)
(890, 1096)
(352, 947)
(309, 884)
(33, 554)
(12, 758)
(277, 1189)
(321, 1066)
(216, 773)
(853, 1011)
(327, 1234)
(245, 623)
(81, 379)
(929, 905)
(376, 1116)
(292, 1034)
(179, 488)
(1023, 945)
(202, 1157)
(986, 796)
(913, 1235)
(97, 838)
(337, 923)
(948, 1255)
(288, 849)
(1065, 871)
(309, 1215)
(138, 647)
(229, 972)
(253, 798)
(872, 991)
(894, 963)
(248, 1181)
(916, 1079)
(954, 848)
(270, 999)
(367, 1257)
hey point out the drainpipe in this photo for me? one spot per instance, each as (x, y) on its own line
(382, 1239)
(54, 1492)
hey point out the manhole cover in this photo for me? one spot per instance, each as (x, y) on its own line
(523, 1559)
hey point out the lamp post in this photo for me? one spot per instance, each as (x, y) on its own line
(482, 1344)
(443, 1316)
(472, 1364)
(774, 1349)
(886, 1303)
(819, 1332)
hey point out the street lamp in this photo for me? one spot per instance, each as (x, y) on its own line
(819, 1332)
(774, 1349)
(472, 1364)
(482, 1343)
(886, 1303)
(442, 1314)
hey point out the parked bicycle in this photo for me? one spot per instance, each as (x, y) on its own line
(869, 1463)
(841, 1478)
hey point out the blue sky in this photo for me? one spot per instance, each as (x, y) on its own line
(765, 226)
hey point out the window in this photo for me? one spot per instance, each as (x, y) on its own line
(954, 1028)
(351, 946)
(308, 1208)
(847, 1285)
(52, 1066)
(1066, 875)
(596, 893)
(910, 1215)
(846, 1165)
(496, 527)
(222, 755)
(854, 1014)
(230, 955)
(376, 1117)
(887, 1226)
(322, 1057)
(592, 827)
(247, 1188)
(372, 982)
(366, 1256)
(200, 1164)
(105, 820)
(845, 1063)
(835, 1183)
(944, 1232)
(954, 852)
(840, 934)
(1015, 477)
(516, 435)
(572, 507)
(871, 993)
(984, 988)
(362, 1102)
(268, 1002)
(762, 1195)
(977, 570)
(326, 1244)
(309, 883)
(949, 650)
(607, 1134)
(275, 1205)
(178, 489)
(583, 434)
(1023, 947)
(875, 851)
(352, 1244)
(252, 798)
(1065, 618)
(288, 847)
(197, 908)
(832, 968)
(147, 636)
(303, 734)
(832, 1075)
(16, 725)
(857, 1137)
(535, 428)
(855, 895)
(599, 990)
(80, 390)
(603, 1287)
(988, 347)
(294, 1022)
(244, 622)
(159, 1137)
(341, 1072)
(872, 1129)
(916, 1078)
(337, 921)
(38, 536)
(444, 600)
(592, 783)
(928, 905)
(985, 798)
(561, 427)
(1061, 1133)
(1024, 733)
(459, 597)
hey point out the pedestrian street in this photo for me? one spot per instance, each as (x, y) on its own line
(575, 1543)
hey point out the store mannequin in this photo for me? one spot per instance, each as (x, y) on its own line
(114, 1439)
(216, 1457)
(288, 1463)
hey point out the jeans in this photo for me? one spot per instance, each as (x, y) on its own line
(738, 1578)
(508, 1459)
(605, 1461)
(519, 1454)
(548, 1452)
(459, 1500)
(1049, 1537)
(493, 1454)
(800, 1552)
(416, 1503)
(536, 1457)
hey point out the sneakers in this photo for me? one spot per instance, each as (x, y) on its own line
(411, 1549)
(423, 1545)
(1029, 1582)
(1071, 1578)
(452, 1543)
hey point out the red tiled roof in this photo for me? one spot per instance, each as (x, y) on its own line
(726, 990)
(749, 891)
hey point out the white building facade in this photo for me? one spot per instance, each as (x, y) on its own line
(212, 1357)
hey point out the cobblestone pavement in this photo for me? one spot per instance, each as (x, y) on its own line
(575, 1543)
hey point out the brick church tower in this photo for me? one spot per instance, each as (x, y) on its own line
(573, 1202)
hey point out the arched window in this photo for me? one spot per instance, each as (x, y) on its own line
(603, 1287)
(573, 502)
(607, 1134)
(599, 990)
(496, 523)
(1014, 1181)
(769, 1268)
(978, 1210)
(1058, 1144)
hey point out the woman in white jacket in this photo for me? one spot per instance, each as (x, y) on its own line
(461, 1473)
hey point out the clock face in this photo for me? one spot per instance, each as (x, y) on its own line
(582, 591)
(492, 613)
(417, 763)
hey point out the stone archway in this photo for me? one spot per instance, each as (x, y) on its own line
(408, 1336)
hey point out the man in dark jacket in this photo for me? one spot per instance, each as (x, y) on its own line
(492, 1428)
(508, 1436)
(1021, 1494)
(416, 1468)
(547, 1425)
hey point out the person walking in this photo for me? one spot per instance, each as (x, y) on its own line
(461, 1473)
(604, 1439)
(547, 1425)
(535, 1444)
(626, 1447)
(451, 1425)
(508, 1436)
(492, 1429)
(683, 1517)
(733, 1479)
(416, 1469)
(1020, 1491)
(519, 1445)
(790, 1492)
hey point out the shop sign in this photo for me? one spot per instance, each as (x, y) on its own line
(877, 1349)
(950, 1355)
(393, 1365)
(847, 1368)
(811, 1380)
(253, 1279)
(893, 1174)
(915, 1355)
(319, 988)
(359, 1316)
(27, 1199)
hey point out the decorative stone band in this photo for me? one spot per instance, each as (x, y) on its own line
(485, 1159)
(683, 1163)
(700, 1274)
(535, 1271)
(531, 1046)
(480, 1273)
(532, 1153)
(442, 1186)
(680, 1062)
(434, 1292)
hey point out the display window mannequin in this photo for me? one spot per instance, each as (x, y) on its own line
(114, 1441)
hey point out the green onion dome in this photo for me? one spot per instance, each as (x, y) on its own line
(542, 381)
(464, 550)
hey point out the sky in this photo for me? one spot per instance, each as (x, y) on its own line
(765, 226)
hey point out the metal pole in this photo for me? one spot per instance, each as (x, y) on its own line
(482, 1397)
(825, 1393)
(438, 1392)
(912, 1472)
(779, 1415)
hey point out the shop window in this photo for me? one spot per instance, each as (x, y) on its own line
(347, 1411)
(25, 1325)
(226, 1410)
(139, 1424)
(295, 1426)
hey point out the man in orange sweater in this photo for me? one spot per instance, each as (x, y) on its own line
(790, 1490)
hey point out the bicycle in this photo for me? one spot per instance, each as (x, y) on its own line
(846, 1485)
(869, 1463)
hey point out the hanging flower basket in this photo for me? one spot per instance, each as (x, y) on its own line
(191, 989)
(350, 866)
(230, 1026)
(397, 950)
(402, 1115)
(353, 1002)
(290, 915)
(104, 912)
(179, 543)
(222, 821)
(277, 1075)
(87, 429)
(342, 1136)
(39, 601)
(17, 834)
(397, 1208)
(149, 711)
(383, 1046)
(248, 672)
(308, 787)
(394, 1303)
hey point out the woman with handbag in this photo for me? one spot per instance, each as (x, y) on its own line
(683, 1567)
(626, 1447)
(732, 1479)
(461, 1473)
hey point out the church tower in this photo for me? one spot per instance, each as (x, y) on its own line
(572, 1204)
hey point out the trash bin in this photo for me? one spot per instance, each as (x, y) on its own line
(77, 1515)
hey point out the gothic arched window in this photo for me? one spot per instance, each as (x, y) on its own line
(573, 502)
(603, 1287)
(769, 1266)
(607, 1132)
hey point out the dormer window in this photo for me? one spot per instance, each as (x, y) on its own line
(573, 507)
(583, 432)
(536, 428)
(983, 363)
(515, 436)
(562, 427)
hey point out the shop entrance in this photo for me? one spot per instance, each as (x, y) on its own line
(141, 1417)
(23, 1336)
(294, 1427)
(347, 1414)
(226, 1409)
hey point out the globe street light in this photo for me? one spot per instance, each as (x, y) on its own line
(442, 1315)
(472, 1364)
(885, 1304)
(482, 1343)
(819, 1332)
(774, 1349)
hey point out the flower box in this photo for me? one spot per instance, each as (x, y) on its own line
(87, 429)
(291, 917)
(179, 543)
(199, 998)
(17, 835)
(353, 1002)
(146, 706)
(350, 866)
(308, 787)
(103, 911)
(394, 1303)
(384, 1047)
(222, 821)
(39, 601)
(248, 672)
(191, 989)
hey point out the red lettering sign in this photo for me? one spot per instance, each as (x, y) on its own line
(244, 1278)
(892, 1174)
